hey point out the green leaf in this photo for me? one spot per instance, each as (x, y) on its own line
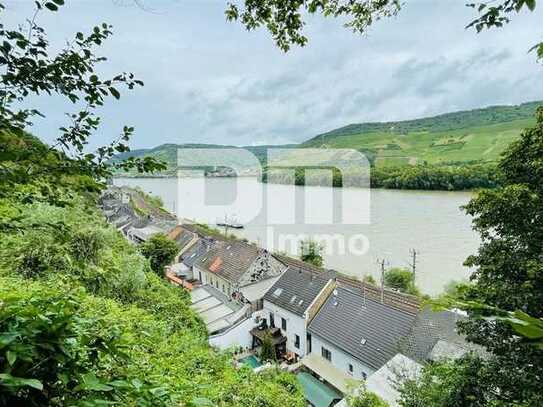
(115, 93)
(51, 6)
(59, 2)
(201, 402)
(11, 357)
(530, 4)
(9, 380)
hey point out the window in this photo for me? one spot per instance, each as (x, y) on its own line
(364, 375)
(283, 324)
(326, 354)
(296, 341)
(350, 369)
(272, 322)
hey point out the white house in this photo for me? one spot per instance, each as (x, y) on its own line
(241, 271)
(293, 300)
(355, 335)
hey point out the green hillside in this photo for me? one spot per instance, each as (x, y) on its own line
(453, 151)
(168, 154)
(84, 319)
(459, 138)
(478, 135)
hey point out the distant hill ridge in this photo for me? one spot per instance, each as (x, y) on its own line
(441, 123)
(458, 138)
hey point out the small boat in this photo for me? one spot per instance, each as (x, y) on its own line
(229, 222)
(230, 225)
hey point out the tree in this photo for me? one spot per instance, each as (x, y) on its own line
(284, 19)
(400, 279)
(508, 277)
(267, 351)
(447, 383)
(369, 279)
(160, 250)
(29, 70)
(509, 267)
(311, 252)
(361, 397)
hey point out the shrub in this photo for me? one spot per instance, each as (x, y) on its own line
(160, 250)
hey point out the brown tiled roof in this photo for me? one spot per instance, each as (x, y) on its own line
(229, 260)
(181, 236)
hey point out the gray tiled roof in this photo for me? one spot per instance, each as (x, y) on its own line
(432, 327)
(181, 236)
(393, 298)
(295, 285)
(196, 251)
(348, 319)
(229, 260)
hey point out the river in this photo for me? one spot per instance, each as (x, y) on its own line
(380, 224)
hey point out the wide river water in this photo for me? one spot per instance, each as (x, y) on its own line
(371, 225)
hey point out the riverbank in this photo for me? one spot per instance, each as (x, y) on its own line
(417, 177)
(395, 222)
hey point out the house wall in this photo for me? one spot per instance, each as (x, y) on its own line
(320, 300)
(237, 336)
(295, 326)
(214, 280)
(341, 359)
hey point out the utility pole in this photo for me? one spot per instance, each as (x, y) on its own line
(381, 263)
(413, 263)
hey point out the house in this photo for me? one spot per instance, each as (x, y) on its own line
(293, 300)
(435, 336)
(354, 334)
(184, 239)
(385, 381)
(188, 255)
(142, 234)
(239, 270)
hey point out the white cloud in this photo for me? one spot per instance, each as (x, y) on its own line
(208, 80)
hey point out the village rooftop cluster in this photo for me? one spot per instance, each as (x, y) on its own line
(334, 332)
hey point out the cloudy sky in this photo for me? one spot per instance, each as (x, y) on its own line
(210, 81)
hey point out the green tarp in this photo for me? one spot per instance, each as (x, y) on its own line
(316, 392)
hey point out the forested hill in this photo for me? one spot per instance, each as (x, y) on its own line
(466, 137)
(478, 135)
(453, 151)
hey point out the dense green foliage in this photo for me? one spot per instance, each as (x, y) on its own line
(80, 302)
(435, 177)
(448, 383)
(83, 318)
(311, 252)
(160, 250)
(505, 297)
(364, 398)
(401, 279)
(267, 351)
(285, 19)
